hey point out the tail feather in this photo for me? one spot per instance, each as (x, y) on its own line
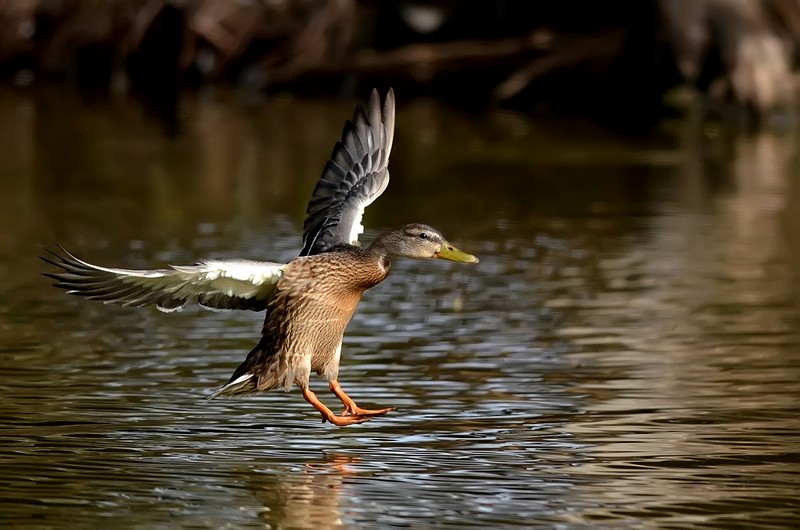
(241, 386)
(244, 380)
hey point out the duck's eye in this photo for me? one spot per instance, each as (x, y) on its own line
(423, 235)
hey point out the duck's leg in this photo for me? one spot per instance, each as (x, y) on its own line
(350, 407)
(328, 415)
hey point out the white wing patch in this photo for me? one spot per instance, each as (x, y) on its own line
(234, 277)
(358, 219)
(358, 228)
(213, 284)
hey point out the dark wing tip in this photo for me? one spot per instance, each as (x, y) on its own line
(54, 258)
(59, 257)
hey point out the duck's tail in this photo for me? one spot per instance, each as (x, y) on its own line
(241, 386)
(244, 380)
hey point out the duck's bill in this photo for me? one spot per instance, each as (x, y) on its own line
(451, 253)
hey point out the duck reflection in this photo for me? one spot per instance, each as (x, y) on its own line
(309, 496)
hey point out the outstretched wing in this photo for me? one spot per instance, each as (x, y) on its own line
(213, 284)
(355, 176)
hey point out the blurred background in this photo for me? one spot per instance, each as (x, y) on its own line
(625, 354)
(615, 60)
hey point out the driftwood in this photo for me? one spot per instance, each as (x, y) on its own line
(740, 50)
(421, 62)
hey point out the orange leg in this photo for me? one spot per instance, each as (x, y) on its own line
(350, 407)
(328, 415)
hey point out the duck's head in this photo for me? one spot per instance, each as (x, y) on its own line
(419, 241)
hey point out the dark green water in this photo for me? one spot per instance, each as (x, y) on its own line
(627, 353)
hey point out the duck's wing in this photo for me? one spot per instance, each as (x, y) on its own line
(213, 284)
(356, 175)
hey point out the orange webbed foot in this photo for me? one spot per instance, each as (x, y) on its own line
(328, 415)
(358, 411)
(344, 421)
(350, 407)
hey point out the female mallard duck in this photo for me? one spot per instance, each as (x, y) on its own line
(309, 300)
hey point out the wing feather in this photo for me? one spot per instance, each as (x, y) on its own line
(213, 284)
(356, 174)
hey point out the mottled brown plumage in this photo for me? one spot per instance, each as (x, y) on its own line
(308, 301)
(313, 303)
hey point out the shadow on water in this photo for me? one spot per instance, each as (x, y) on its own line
(626, 352)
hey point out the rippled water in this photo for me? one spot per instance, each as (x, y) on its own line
(625, 354)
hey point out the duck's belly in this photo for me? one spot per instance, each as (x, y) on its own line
(312, 340)
(312, 306)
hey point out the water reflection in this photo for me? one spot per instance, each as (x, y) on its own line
(700, 326)
(624, 354)
(306, 496)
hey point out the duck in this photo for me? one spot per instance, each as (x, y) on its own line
(308, 301)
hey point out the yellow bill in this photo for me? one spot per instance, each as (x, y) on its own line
(449, 252)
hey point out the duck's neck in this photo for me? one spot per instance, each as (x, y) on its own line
(378, 250)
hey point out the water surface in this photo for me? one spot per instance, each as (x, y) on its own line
(625, 354)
